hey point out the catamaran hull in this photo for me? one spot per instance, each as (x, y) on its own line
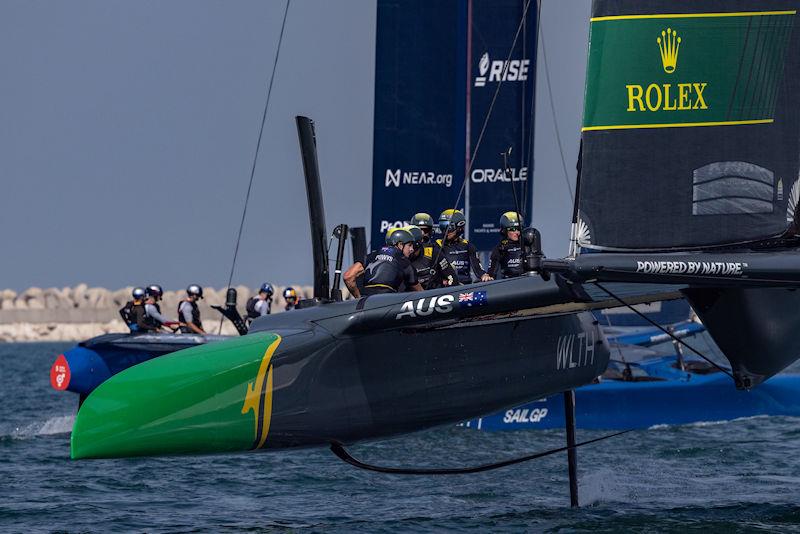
(308, 387)
(90, 363)
(623, 405)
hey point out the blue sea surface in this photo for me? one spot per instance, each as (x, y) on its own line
(742, 475)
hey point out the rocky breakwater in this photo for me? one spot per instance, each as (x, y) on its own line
(81, 312)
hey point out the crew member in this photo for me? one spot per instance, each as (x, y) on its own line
(153, 319)
(385, 270)
(261, 304)
(133, 311)
(189, 313)
(506, 258)
(433, 269)
(291, 298)
(461, 254)
(425, 223)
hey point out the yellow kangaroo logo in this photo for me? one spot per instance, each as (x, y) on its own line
(259, 396)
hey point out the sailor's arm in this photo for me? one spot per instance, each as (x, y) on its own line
(350, 275)
(185, 316)
(153, 312)
(477, 268)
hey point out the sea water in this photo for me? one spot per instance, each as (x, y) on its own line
(742, 475)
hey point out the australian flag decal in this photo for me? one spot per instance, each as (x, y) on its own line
(471, 299)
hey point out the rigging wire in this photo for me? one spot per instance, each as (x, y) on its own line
(258, 149)
(670, 334)
(339, 450)
(555, 122)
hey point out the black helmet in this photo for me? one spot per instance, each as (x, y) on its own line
(194, 289)
(452, 220)
(423, 220)
(138, 293)
(266, 288)
(154, 291)
(399, 235)
(509, 219)
(416, 233)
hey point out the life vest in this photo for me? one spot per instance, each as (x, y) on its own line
(132, 313)
(195, 316)
(250, 308)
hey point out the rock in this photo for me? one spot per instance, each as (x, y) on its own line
(8, 294)
(33, 292)
(35, 304)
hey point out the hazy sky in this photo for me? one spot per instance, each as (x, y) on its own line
(129, 129)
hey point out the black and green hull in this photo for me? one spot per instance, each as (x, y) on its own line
(343, 372)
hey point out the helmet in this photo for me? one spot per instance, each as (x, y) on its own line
(289, 293)
(154, 291)
(509, 219)
(399, 235)
(416, 233)
(452, 220)
(423, 220)
(266, 288)
(194, 289)
(138, 293)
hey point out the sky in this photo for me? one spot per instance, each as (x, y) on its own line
(130, 127)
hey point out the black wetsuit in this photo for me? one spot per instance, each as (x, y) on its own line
(386, 270)
(506, 259)
(463, 256)
(433, 268)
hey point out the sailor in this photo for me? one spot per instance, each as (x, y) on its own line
(291, 298)
(387, 269)
(189, 313)
(425, 223)
(506, 258)
(261, 304)
(461, 254)
(433, 269)
(133, 311)
(154, 320)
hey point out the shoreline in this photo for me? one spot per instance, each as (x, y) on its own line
(80, 313)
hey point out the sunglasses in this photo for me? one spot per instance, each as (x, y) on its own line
(513, 229)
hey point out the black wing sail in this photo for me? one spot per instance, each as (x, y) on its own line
(689, 166)
(690, 130)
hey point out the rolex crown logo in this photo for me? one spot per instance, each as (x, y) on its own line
(668, 44)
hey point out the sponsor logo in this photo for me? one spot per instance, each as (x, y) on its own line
(60, 373)
(720, 268)
(258, 397)
(682, 96)
(668, 44)
(398, 177)
(525, 415)
(385, 225)
(498, 70)
(481, 176)
(426, 306)
(575, 350)
(473, 298)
